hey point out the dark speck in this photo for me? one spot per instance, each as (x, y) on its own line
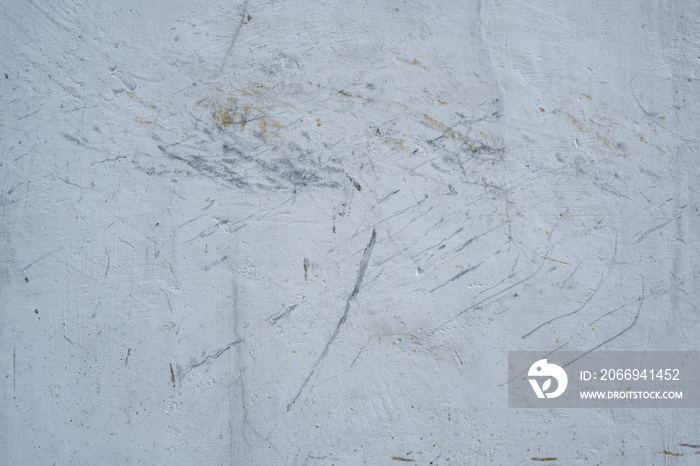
(6, 76)
(26, 279)
(36, 311)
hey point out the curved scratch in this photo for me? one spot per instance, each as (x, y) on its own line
(343, 318)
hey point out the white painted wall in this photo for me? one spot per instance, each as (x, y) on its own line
(189, 190)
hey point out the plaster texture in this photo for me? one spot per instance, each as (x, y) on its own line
(296, 232)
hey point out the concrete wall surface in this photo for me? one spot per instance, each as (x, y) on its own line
(298, 232)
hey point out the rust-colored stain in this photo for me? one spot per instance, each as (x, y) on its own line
(347, 94)
(666, 452)
(541, 110)
(554, 260)
(599, 137)
(472, 146)
(223, 116)
(241, 108)
(394, 141)
(575, 121)
(411, 62)
(447, 131)
(441, 126)
(441, 102)
(263, 125)
(135, 97)
(318, 122)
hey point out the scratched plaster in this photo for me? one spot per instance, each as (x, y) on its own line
(292, 232)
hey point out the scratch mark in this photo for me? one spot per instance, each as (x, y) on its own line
(498, 293)
(183, 89)
(126, 362)
(412, 221)
(209, 358)
(25, 198)
(554, 260)
(72, 139)
(80, 108)
(358, 283)
(592, 295)
(458, 276)
(42, 257)
(190, 221)
(242, 9)
(467, 243)
(274, 320)
(358, 356)
(689, 445)
(215, 263)
(544, 459)
(641, 302)
(510, 275)
(48, 16)
(172, 375)
(107, 268)
(652, 230)
(572, 274)
(14, 371)
(109, 160)
(388, 196)
(355, 183)
(28, 115)
(396, 214)
(610, 312)
(401, 458)
(224, 225)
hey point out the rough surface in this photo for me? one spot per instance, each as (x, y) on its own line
(296, 232)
